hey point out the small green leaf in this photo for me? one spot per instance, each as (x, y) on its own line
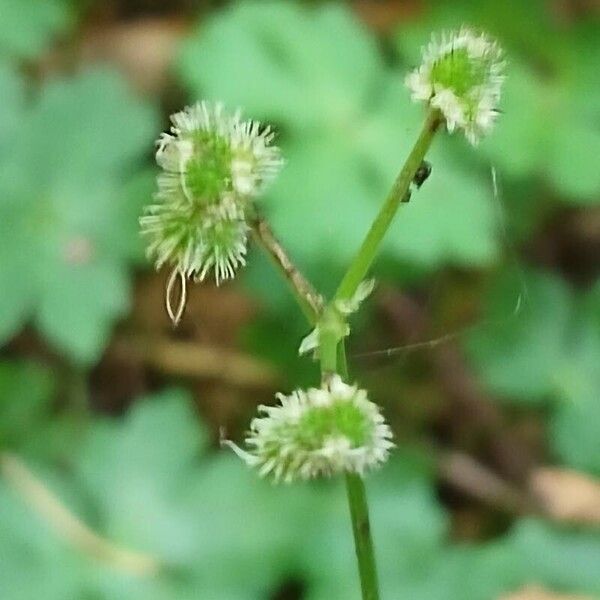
(33, 557)
(279, 60)
(65, 226)
(541, 550)
(136, 467)
(520, 345)
(545, 351)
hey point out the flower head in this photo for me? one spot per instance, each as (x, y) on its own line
(316, 432)
(213, 166)
(461, 75)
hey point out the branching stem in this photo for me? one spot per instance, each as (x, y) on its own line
(368, 251)
(309, 300)
(331, 346)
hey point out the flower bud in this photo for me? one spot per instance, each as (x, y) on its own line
(214, 165)
(318, 432)
(462, 76)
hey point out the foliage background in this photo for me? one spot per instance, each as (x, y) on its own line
(489, 302)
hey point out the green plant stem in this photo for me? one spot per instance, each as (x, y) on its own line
(310, 302)
(363, 543)
(355, 487)
(368, 250)
(328, 352)
(331, 347)
(333, 352)
(342, 363)
(333, 359)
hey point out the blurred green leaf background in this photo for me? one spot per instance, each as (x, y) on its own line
(482, 341)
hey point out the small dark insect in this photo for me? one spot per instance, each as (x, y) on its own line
(422, 173)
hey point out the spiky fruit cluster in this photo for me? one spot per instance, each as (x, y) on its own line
(315, 432)
(461, 74)
(213, 166)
